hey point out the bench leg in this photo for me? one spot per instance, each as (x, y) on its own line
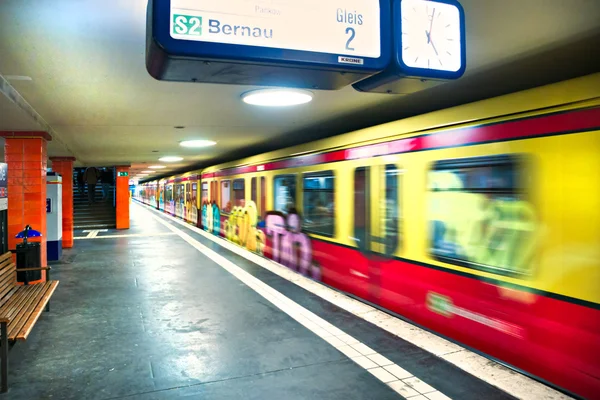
(4, 350)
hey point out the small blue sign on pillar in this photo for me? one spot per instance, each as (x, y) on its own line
(48, 206)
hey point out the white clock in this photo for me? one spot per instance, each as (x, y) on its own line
(432, 37)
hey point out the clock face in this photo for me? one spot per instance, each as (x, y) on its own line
(431, 35)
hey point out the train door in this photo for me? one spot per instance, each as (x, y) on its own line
(377, 216)
(194, 203)
(187, 206)
(157, 195)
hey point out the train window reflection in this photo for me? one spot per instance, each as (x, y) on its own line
(285, 193)
(253, 190)
(361, 207)
(239, 193)
(392, 210)
(480, 216)
(204, 192)
(318, 205)
(263, 196)
(226, 196)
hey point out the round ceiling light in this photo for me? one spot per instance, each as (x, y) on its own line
(197, 143)
(170, 159)
(277, 97)
(157, 167)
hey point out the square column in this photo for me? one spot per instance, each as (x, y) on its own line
(123, 197)
(27, 157)
(64, 167)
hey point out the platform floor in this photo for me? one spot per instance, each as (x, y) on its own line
(143, 314)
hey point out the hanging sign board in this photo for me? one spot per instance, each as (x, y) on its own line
(293, 43)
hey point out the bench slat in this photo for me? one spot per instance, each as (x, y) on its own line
(9, 305)
(6, 266)
(50, 287)
(8, 279)
(21, 298)
(9, 291)
(25, 311)
(7, 271)
(5, 258)
(7, 308)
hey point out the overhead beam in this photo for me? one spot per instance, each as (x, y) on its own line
(15, 97)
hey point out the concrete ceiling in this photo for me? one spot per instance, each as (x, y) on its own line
(86, 59)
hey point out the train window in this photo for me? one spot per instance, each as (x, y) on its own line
(214, 192)
(318, 204)
(479, 215)
(194, 199)
(253, 190)
(204, 192)
(263, 196)
(226, 196)
(361, 207)
(285, 193)
(239, 193)
(392, 213)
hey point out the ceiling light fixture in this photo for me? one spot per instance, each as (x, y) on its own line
(157, 167)
(277, 97)
(170, 159)
(197, 143)
(148, 172)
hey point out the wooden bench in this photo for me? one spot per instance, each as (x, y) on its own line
(20, 307)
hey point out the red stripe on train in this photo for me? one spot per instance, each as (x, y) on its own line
(564, 122)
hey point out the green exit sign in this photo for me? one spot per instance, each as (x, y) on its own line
(123, 173)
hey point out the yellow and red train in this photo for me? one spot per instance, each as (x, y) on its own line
(479, 222)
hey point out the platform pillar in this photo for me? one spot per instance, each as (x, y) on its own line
(27, 158)
(123, 197)
(64, 167)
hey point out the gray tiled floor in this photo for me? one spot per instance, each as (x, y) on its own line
(154, 318)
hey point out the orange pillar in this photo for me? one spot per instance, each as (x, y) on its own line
(122, 186)
(26, 156)
(64, 167)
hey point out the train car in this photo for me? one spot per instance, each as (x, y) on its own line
(179, 193)
(479, 222)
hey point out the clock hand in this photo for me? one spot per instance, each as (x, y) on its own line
(434, 49)
(430, 27)
(428, 34)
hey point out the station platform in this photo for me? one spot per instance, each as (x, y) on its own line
(162, 311)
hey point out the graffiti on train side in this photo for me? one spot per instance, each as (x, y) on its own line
(211, 218)
(290, 246)
(241, 228)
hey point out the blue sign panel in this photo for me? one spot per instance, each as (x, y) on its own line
(429, 47)
(48, 205)
(303, 43)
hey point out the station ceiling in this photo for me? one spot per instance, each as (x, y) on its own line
(89, 85)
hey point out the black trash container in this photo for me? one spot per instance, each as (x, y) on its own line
(29, 255)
